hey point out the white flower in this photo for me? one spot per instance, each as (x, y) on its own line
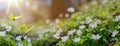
(60, 15)
(40, 37)
(3, 24)
(67, 15)
(18, 38)
(96, 37)
(70, 32)
(98, 21)
(74, 30)
(3, 33)
(104, 2)
(57, 35)
(82, 22)
(88, 20)
(71, 9)
(46, 35)
(7, 27)
(79, 32)
(117, 18)
(93, 25)
(76, 39)
(19, 44)
(114, 33)
(94, 2)
(25, 37)
(47, 21)
(29, 44)
(64, 38)
(28, 40)
(82, 27)
(57, 20)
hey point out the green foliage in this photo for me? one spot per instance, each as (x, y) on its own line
(6, 41)
(117, 44)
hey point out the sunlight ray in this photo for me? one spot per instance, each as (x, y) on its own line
(8, 8)
(12, 4)
(18, 7)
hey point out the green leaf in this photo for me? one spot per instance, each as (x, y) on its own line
(82, 41)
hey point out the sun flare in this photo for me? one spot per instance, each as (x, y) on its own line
(12, 3)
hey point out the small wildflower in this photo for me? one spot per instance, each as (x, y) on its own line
(29, 44)
(74, 30)
(96, 37)
(40, 37)
(64, 38)
(3, 33)
(117, 18)
(28, 40)
(98, 21)
(25, 37)
(82, 22)
(18, 38)
(67, 15)
(60, 15)
(7, 27)
(76, 39)
(47, 21)
(57, 35)
(94, 2)
(82, 27)
(19, 44)
(104, 2)
(57, 20)
(88, 20)
(114, 33)
(3, 24)
(93, 25)
(71, 9)
(70, 32)
(79, 32)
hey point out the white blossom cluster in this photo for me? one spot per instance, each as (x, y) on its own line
(7, 29)
(96, 37)
(71, 9)
(18, 38)
(6, 26)
(117, 18)
(69, 33)
(114, 33)
(76, 39)
(92, 23)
